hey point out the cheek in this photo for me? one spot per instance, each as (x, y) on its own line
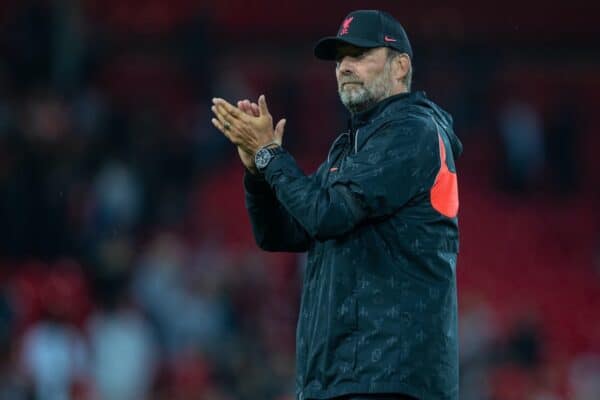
(337, 75)
(370, 73)
(364, 72)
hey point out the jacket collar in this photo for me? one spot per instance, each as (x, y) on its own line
(369, 114)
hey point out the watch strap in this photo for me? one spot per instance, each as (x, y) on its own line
(272, 151)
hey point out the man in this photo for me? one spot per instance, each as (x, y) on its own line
(378, 316)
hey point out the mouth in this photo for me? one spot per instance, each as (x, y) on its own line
(350, 83)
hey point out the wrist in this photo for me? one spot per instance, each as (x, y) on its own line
(269, 145)
(265, 155)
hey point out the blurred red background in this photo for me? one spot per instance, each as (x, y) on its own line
(127, 265)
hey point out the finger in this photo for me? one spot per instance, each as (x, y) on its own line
(241, 104)
(226, 108)
(224, 113)
(229, 126)
(220, 127)
(262, 105)
(253, 107)
(226, 117)
(219, 114)
(247, 108)
(279, 128)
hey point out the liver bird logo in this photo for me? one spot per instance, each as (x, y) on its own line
(346, 25)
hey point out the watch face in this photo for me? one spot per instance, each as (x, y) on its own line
(262, 158)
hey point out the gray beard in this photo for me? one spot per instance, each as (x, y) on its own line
(360, 97)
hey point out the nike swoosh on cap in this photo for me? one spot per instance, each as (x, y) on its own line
(389, 39)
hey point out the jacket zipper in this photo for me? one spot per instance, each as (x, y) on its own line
(344, 155)
(348, 149)
(334, 143)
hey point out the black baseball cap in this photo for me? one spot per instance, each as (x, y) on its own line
(365, 28)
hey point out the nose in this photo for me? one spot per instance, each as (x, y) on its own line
(345, 65)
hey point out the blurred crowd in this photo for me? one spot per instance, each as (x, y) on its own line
(127, 267)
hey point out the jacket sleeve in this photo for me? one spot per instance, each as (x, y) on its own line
(273, 227)
(398, 162)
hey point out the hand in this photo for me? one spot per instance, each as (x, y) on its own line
(247, 159)
(249, 132)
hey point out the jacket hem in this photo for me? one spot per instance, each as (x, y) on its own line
(380, 388)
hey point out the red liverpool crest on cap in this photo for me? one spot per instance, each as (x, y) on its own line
(346, 25)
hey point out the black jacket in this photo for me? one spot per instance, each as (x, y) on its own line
(378, 219)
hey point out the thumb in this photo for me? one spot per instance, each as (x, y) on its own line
(279, 130)
(262, 105)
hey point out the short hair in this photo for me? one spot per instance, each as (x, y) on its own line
(407, 80)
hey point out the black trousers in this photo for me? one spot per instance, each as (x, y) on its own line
(375, 397)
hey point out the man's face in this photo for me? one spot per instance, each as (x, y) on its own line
(363, 76)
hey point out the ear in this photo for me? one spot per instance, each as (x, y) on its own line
(401, 65)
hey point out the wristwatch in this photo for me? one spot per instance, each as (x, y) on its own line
(264, 155)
